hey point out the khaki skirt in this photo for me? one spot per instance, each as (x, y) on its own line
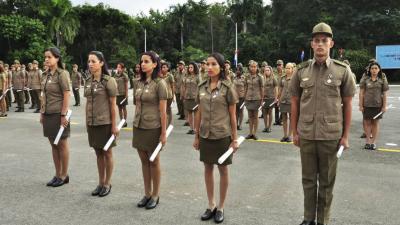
(189, 104)
(211, 150)
(252, 104)
(146, 139)
(51, 126)
(370, 112)
(119, 100)
(284, 108)
(99, 135)
(268, 101)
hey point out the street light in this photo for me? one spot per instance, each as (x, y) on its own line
(236, 40)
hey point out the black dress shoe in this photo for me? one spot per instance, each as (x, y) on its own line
(363, 135)
(186, 124)
(50, 183)
(105, 191)
(97, 191)
(152, 203)
(307, 222)
(269, 130)
(208, 214)
(143, 202)
(265, 130)
(239, 127)
(367, 146)
(219, 216)
(60, 182)
(190, 132)
(255, 137)
(37, 111)
(250, 136)
(320, 224)
(181, 118)
(373, 147)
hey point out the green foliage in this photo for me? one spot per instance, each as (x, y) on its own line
(358, 60)
(194, 54)
(22, 38)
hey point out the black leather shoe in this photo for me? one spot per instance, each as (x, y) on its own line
(239, 127)
(250, 136)
(105, 191)
(320, 224)
(265, 130)
(60, 182)
(97, 191)
(219, 216)
(208, 214)
(190, 132)
(143, 202)
(255, 137)
(283, 139)
(181, 118)
(37, 111)
(269, 130)
(186, 124)
(152, 203)
(50, 183)
(307, 222)
(367, 146)
(373, 147)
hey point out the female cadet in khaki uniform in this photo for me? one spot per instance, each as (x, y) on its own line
(55, 99)
(189, 93)
(122, 80)
(284, 102)
(149, 125)
(239, 82)
(170, 82)
(76, 78)
(3, 88)
(100, 91)
(215, 126)
(270, 96)
(254, 86)
(373, 98)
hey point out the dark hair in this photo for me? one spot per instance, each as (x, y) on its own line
(195, 68)
(122, 65)
(155, 59)
(374, 64)
(100, 56)
(57, 54)
(221, 62)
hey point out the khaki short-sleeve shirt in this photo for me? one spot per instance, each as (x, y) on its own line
(374, 90)
(98, 106)
(284, 85)
(147, 97)
(190, 84)
(239, 86)
(169, 81)
(178, 81)
(19, 80)
(270, 84)
(254, 85)
(35, 76)
(76, 80)
(321, 89)
(2, 80)
(214, 105)
(121, 79)
(53, 88)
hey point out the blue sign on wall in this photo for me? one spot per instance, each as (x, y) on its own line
(388, 56)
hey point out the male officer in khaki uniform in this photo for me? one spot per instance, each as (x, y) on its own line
(76, 80)
(19, 85)
(229, 74)
(320, 124)
(35, 77)
(179, 75)
(203, 71)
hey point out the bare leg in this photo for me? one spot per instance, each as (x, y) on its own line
(368, 131)
(269, 117)
(223, 185)
(56, 158)
(250, 115)
(209, 180)
(265, 115)
(155, 171)
(374, 130)
(64, 156)
(101, 165)
(144, 158)
(109, 166)
(125, 113)
(285, 124)
(255, 121)
(190, 117)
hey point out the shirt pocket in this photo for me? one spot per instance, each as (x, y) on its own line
(332, 87)
(307, 87)
(87, 91)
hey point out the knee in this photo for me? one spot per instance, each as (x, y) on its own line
(223, 171)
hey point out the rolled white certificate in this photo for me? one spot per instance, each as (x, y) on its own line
(4, 94)
(61, 130)
(242, 105)
(259, 108)
(19, 90)
(123, 100)
(340, 151)
(158, 148)
(230, 151)
(195, 107)
(390, 106)
(272, 104)
(112, 138)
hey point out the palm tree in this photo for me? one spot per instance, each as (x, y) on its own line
(245, 11)
(63, 23)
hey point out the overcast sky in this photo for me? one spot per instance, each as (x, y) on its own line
(134, 7)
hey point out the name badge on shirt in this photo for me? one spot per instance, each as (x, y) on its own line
(329, 78)
(202, 94)
(215, 95)
(147, 90)
(305, 79)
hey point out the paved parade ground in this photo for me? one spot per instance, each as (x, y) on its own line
(265, 185)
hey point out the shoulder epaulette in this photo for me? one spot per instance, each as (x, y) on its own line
(303, 65)
(106, 77)
(339, 63)
(203, 82)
